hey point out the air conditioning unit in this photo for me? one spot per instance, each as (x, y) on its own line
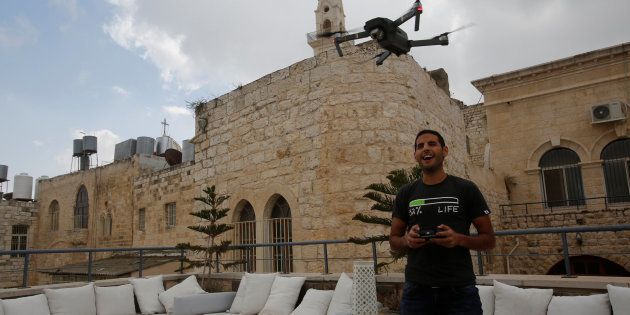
(607, 112)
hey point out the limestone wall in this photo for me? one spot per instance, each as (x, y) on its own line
(320, 131)
(476, 133)
(15, 213)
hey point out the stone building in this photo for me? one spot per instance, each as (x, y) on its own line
(18, 226)
(296, 148)
(558, 134)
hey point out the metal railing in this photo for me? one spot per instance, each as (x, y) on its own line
(564, 204)
(562, 231)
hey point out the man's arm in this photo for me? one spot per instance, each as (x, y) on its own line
(400, 239)
(484, 239)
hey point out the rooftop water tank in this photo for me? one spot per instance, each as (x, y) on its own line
(188, 151)
(164, 143)
(89, 144)
(4, 170)
(23, 187)
(77, 147)
(145, 145)
(37, 183)
(125, 149)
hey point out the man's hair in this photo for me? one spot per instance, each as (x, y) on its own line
(433, 132)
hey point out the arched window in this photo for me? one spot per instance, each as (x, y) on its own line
(327, 27)
(281, 232)
(616, 156)
(587, 265)
(561, 178)
(81, 209)
(53, 215)
(245, 231)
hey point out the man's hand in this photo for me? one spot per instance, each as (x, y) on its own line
(413, 239)
(447, 237)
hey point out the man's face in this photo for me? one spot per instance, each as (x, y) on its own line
(429, 153)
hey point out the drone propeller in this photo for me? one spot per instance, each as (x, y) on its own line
(469, 25)
(315, 35)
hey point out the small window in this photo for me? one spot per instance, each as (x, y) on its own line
(19, 235)
(81, 209)
(53, 212)
(171, 215)
(141, 219)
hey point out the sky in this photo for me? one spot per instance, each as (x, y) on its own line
(116, 68)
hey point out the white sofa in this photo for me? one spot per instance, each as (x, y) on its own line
(264, 294)
(500, 299)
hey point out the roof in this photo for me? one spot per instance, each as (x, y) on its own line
(113, 266)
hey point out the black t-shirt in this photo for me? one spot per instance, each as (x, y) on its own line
(454, 202)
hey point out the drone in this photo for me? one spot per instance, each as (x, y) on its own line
(390, 36)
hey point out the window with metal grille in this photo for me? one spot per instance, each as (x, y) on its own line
(141, 219)
(171, 215)
(19, 238)
(561, 178)
(616, 156)
(53, 215)
(81, 209)
(281, 232)
(245, 231)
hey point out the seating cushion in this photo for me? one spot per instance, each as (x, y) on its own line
(579, 305)
(202, 303)
(619, 299)
(72, 301)
(147, 292)
(341, 302)
(115, 300)
(31, 305)
(256, 292)
(315, 302)
(486, 295)
(284, 293)
(237, 304)
(511, 300)
(189, 286)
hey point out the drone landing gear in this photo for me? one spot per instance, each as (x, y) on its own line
(382, 56)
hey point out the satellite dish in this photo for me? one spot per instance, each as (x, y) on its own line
(173, 157)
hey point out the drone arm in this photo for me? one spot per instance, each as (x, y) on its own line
(415, 11)
(381, 57)
(345, 38)
(437, 40)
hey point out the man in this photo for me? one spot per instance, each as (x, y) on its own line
(431, 220)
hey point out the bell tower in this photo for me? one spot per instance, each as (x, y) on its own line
(329, 18)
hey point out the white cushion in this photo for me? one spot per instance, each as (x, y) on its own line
(487, 299)
(147, 292)
(510, 300)
(315, 302)
(597, 304)
(189, 286)
(619, 299)
(341, 302)
(284, 293)
(72, 301)
(237, 304)
(1, 308)
(256, 292)
(31, 305)
(115, 300)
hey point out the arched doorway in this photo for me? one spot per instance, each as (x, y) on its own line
(616, 156)
(587, 265)
(245, 232)
(561, 178)
(279, 230)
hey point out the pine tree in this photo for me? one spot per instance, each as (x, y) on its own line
(211, 227)
(383, 196)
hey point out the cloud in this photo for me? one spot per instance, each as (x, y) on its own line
(177, 110)
(160, 47)
(37, 143)
(20, 33)
(120, 91)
